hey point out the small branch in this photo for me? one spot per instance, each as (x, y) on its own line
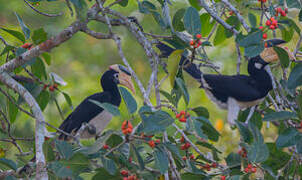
(241, 19)
(238, 58)
(59, 109)
(115, 148)
(96, 35)
(4, 42)
(42, 13)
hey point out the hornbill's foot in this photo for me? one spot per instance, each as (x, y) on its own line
(90, 129)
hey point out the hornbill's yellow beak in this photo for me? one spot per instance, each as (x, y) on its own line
(269, 55)
(124, 76)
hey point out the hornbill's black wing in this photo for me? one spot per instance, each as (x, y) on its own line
(240, 87)
(84, 112)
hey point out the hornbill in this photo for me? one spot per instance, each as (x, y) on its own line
(235, 92)
(88, 112)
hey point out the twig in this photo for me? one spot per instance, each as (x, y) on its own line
(238, 58)
(4, 42)
(42, 13)
(96, 35)
(115, 148)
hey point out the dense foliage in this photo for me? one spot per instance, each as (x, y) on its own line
(165, 140)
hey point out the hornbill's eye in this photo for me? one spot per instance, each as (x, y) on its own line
(116, 76)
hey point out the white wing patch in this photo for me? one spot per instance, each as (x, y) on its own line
(99, 122)
(233, 111)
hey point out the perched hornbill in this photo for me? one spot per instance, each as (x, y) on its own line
(235, 92)
(90, 113)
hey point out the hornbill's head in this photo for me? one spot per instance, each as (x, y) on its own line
(268, 55)
(117, 74)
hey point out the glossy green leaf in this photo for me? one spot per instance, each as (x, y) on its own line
(206, 24)
(109, 165)
(244, 132)
(195, 4)
(279, 116)
(78, 163)
(192, 21)
(283, 56)
(177, 23)
(293, 4)
(219, 36)
(295, 77)
(233, 21)
(252, 19)
(277, 159)
(208, 129)
(59, 170)
(253, 38)
(47, 58)
(48, 151)
(39, 36)
(138, 158)
(161, 160)
(12, 110)
(154, 122)
(300, 15)
(146, 6)
(108, 107)
(68, 99)
(78, 3)
(287, 138)
(64, 148)
(184, 89)
(114, 140)
(38, 68)
(201, 111)
(43, 99)
(8, 163)
(257, 152)
(173, 149)
(102, 174)
(123, 3)
(24, 28)
(233, 160)
(129, 100)
(7, 49)
(14, 33)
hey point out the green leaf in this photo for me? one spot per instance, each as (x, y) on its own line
(39, 36)
(114, 140)
(279, 116)
(206, 24)
(16, 34)
(283, 56)
(191, 176)
(295, 77)
(192, 21)
(195, 4)
(12, 110)
(38, 68)
(78, 4)
(108, 107)
(24, 28)
(68, 99)
(300, 16)
(10, 178)
(59, 170)
(253, 38)
(244, 132)
(220, 35)
(299, 147)
(48, 151)
(177, 23)
(287, 138)
(8, 163)
(201, 111)
(257, 152)
(78, 163)
(129, 100)
(184, 90)
(109, 165)
(167, 96)
(233, 21)
(43, 99)
(253, 50)
(173, 149)
(123, 3)
(138, 158)
(161, 160)
(7, 49)
(277, 159)
(293, 4)
(252, 19)
(233, 160)
(47, 58)
(57, 79)
(102, 174)
(208, 129)
(64, 148)
(153, 122)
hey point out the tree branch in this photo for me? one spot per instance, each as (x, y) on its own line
(42, 13)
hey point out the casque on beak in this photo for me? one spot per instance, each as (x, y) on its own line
(124, 76)
(269, 55)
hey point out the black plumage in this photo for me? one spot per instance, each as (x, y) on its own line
(89, 112)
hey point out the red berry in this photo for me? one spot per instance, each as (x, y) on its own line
(184, 158)
(272, 27)
(246, 170)
(51, 88)
(178, 115)
(268, 23)
(261, 27)
(182, 112)
(264, 36)
(130, 159)
(278, 10)
(105, 146)
(183, 119)
(192, 42)
(192, 157)
(265, 45)
(214, 165)
(283, 13)
(272, 19)
(157, 141)
(187, 145)
(199, 43)
(183, 147)
(249, 166)
(231, 13)
(198, 36)
(275, 23)
(151, 144)
(26, 45)
(45, 86)
(254, 169)
(124, 173)
(182, 139)
(55, 85)
(222, 177)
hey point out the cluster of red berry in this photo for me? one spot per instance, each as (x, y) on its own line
(152, 143)
(182, 116)
(208, 166)
(127, 127)
(250, 168)
(185, 144)
(27, 46)
(191, 157)
(51, 88)
(271, 23)
(126, 175)
(196, 43)
(242, 152)
(281, 11)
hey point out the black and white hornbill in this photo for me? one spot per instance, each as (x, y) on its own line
(235, 92)
(90, 113)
